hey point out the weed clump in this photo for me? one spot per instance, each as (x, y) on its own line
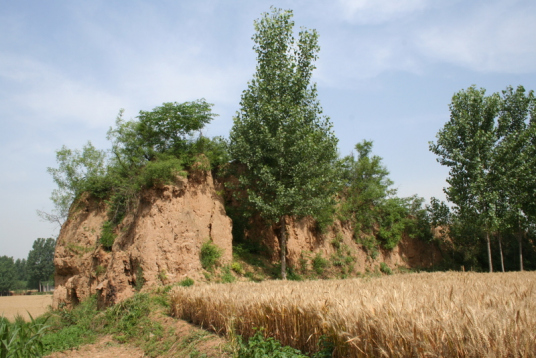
(210, 255)
(20, 338)
(319, 263)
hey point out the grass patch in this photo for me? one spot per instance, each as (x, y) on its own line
(20, 338)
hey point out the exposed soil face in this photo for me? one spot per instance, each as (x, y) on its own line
(158, 243)
(36, 305)
(304, 242)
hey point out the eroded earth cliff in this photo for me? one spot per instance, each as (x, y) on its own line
(158, 243)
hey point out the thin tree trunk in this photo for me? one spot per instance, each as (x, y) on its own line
(283, 245)
(489, 252)
(501, 251)
(520, 242)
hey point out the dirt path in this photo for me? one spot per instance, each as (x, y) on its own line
(188, 341)
(36, 305)
(104, 348)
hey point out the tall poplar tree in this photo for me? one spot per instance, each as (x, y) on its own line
(466, 145)
(516, 160)
(279, 134)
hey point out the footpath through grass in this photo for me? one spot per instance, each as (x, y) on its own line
(142, 321)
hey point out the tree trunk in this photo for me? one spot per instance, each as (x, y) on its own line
(489, 252)
(283, 244)
(520, 242)
(501, 251)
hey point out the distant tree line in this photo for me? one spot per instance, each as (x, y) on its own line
(32, 273)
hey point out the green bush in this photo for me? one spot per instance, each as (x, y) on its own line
(210, 255)
(258, 346)
(107, 235)
(292, 275)
(385, 269)
(319, 263)
(67, 338)
(127, 321)
(187, 282)
(227, 275)
(161, 171)
(237, 267)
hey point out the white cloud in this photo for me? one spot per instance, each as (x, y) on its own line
(409, 36)
(47, 96)
(363, 55)
(379, 11)
(493, 37)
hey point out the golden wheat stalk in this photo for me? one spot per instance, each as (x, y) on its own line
(412, 315)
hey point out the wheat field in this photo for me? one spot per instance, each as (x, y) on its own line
(411, 315)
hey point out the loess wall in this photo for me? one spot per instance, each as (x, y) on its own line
(159, 243)
(160, 240)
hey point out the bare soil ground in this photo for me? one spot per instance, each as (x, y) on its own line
(104, 348)
(11, 306)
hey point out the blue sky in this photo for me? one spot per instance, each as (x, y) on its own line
(386, 72)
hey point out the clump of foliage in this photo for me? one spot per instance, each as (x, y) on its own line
(72, 328)
(319, 263)
(260, 346)
(129, 318)
(187, 282)
(107, 235)
(227, 276)
(385, 269)
(209, 255)
(342, 258)
(237, 267)
(378, 216)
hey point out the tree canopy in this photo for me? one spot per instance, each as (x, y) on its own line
(7, 273)
(40, 263)
(488, 144)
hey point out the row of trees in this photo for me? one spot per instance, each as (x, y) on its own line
(30, 273)
(489, 144)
